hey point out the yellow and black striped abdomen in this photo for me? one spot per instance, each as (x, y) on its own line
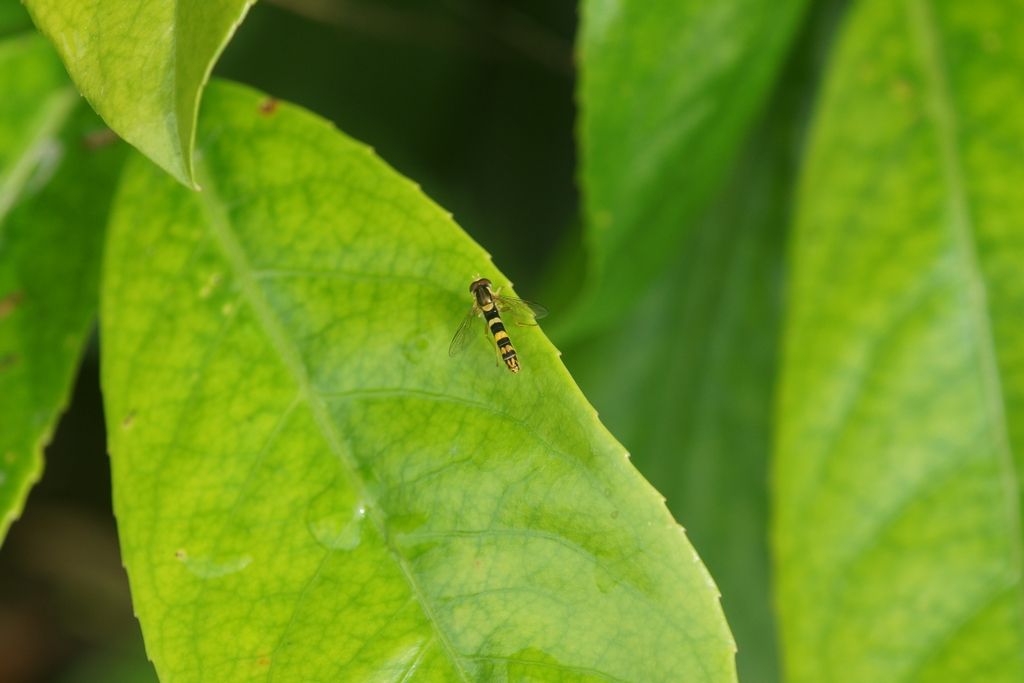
(497, 328)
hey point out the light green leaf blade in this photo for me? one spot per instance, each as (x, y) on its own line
(897, 484)
(309, 488)
(54, 193)
(667, 93)
(143, 65)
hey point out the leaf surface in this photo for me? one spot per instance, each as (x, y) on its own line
(901, 427)
(143, 65)
(668, 90)
(309, 488)
(54, 193)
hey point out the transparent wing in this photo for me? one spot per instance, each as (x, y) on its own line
(462, 334)
(525, 311)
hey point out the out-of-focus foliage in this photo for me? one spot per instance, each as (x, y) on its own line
(54, 189)
(668, 90)
(897, 486)
(699, 354)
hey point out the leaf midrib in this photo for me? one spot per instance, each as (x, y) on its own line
(220, 226)
(927, 41)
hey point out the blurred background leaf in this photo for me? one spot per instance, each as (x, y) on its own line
(687, 382)
(668, 91)
(142, 65)
(901, 421)
(13, 18)
(62, 590)
(63, 593)
(51, 230)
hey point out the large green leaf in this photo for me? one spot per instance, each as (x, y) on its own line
(142, 64)
(902, 411)
(309, 488)
(668, 90)
(54, 192)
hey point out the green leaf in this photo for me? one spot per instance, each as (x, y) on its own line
(901, 427)
(691, 390)
(143, 65)
(54, 192)
(668, 91)
(13, 18)
(309, 488)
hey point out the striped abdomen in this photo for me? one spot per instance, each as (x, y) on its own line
(497, 328)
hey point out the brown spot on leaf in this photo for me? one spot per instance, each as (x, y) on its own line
(99, 139)
(9, 303)
(128, 420)
(7, 361)
(263, 661)
(268, 106)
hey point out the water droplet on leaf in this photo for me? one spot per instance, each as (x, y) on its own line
(208, 567)
(335, 518)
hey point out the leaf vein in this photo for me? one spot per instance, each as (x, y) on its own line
(238, 260)
(929, 47)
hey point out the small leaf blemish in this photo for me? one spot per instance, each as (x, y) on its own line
(269, 106)
(98, 139)
(211, 284)
(10, 302)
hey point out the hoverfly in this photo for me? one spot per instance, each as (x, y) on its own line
(491, 305)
